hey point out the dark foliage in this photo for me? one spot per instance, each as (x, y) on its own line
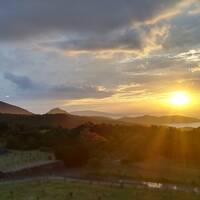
(127, 143)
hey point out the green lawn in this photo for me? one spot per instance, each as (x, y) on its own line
(163, 170)
(60, 190)
(19, 159)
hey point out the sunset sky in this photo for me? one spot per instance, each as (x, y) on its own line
(123, 56)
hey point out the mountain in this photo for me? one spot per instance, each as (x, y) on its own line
(54, 120)
(147, 119)
(72, 121)
(11, 109)
(55, 117)
(58, 117)
(95, 113)
(57, 111)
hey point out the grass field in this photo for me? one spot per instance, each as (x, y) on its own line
(60, 190)
(17, 159)
(163, 170)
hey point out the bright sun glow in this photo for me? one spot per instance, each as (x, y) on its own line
(180, 99)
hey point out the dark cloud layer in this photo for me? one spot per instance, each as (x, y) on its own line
(24, 18)
(30, 89)
(129, 39)
(22, 82)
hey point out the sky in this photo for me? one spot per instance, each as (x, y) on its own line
(121, 56)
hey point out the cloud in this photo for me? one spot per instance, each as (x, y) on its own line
(184, 33)
(30, 89)
(139, 41)
(129, 39)
(143, 41)
(192, 55)
(102, 28)
(22, 82)
(26, 18)
(195, 10)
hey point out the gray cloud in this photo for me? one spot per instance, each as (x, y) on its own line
(139, 40)
(184, 33)
(22, 82)
(29, 89)
(78, 92)
(25, 18)
(129, 39)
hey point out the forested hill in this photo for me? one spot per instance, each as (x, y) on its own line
(53, 120)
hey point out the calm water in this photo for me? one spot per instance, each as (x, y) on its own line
(185, 125)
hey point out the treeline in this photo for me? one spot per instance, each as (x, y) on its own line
(128, 144)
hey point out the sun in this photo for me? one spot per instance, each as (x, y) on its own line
(180, 99)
